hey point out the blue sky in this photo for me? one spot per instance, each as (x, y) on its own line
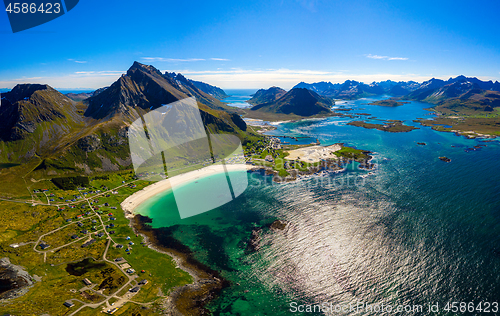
(256, 44)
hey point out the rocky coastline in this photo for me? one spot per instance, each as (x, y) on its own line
(190, 299)
(14, 280)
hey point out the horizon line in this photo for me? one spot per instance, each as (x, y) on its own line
(249, 83)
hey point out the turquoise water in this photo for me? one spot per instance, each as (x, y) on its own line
(419, 231)
(237, 97)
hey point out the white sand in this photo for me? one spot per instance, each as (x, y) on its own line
(137, 198)
(314, 153)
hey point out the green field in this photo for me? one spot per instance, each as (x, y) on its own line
(24, 224)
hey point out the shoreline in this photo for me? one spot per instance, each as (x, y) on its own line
(207, 284)
(136, 199)
(191, 298)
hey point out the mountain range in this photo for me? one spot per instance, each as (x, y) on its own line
(214, 91)
(351, 89)
(56, 135)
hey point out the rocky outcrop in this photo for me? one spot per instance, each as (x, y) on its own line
(238, 121)
(15, 280)
(254, 242)
(89, 143)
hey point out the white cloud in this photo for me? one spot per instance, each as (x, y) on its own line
(220, 59)
(31, 78)
(385, 57)
(78, 61)
(171, 60)
(100, 73)
(287, 78)
(78, 80)
(233, 78)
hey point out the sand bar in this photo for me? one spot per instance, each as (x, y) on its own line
(139, 197)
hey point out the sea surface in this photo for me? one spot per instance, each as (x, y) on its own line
(418, 232)
(237, 97)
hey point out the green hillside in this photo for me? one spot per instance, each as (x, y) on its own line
(48, 135)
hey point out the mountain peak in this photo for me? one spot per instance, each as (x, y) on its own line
(28, 105)
(265, 96)
(298, 101)
(24, 91)
(137, 66)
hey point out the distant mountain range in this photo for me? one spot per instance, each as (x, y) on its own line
(353, 89)
(458, 96)
(469, 92)
(58, 135)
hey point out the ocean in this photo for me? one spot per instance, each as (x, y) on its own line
(417, 233)
(237, 97)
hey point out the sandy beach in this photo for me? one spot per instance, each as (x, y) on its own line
(130, 203)
(314, 154)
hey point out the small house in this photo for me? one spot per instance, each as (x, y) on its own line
(86, 281)
(44, 246)
(135, 289)
(88, 243)
(68, 304)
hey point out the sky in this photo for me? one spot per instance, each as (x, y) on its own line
(256, 44)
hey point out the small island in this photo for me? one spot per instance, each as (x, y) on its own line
(388, 103)
(445, 159)
(391, 126)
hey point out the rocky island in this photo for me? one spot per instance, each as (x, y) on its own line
(388, 103)
(392, 126)
(445, 159)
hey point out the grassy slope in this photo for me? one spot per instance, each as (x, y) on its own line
(478, 112)
(393, 127)
(25, 223)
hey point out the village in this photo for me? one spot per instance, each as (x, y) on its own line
(89, 219)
